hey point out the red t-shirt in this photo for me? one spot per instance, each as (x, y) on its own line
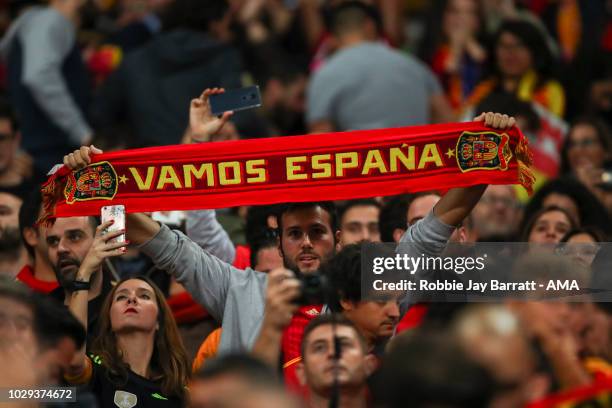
(26, 276)
(292, 338)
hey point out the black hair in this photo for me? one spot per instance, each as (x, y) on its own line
(393, 216)
(433, 370)
(193, 14)
(591, 211)
(329, 319)
(362, 202)
(28, 215)
(592, 231)
(350, 15)
(534, 39)
(54, 322)
(6, 112)
(413, 197)
(528, 226)
(15, 6)
(328, 206)
(241, 365)
(257, 222)
(344, 273)
(603, 135)
(268, 239)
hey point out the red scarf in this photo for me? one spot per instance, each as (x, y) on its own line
(332, 166)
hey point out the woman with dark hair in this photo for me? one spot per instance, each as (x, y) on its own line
(521, 64)
(584, 235)
(138, 356)
(453, 47)
(571, 195)
(582, 244)
(588, 144)
(548, 226)
(587, 154)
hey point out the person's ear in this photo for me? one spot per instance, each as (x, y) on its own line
(272, 221)
(30, 236)
(462, 234)
(300, 374)
(397, 234)
(370, 364)
(339, 243)
(347, 305)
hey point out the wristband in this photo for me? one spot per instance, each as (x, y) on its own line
(80, 285)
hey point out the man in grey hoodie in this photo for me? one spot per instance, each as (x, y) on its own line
(241, 299)
(48, 83)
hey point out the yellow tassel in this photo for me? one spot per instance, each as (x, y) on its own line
(524, 158)
(51, 193)
(523, 153)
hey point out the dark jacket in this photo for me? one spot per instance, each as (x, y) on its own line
(154, 85)
(48, 84)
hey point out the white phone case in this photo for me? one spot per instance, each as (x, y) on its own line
(116, 213)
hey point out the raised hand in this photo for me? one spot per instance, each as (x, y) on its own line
(282, 291)
(496, 120)
(102, 247)
(202, 123)
(81, 157)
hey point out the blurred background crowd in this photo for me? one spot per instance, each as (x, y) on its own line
(121, 74)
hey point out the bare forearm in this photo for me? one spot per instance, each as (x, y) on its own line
(457, 204)
(78, 307)
(140, 228)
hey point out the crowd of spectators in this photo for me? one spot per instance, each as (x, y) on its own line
(206, 308)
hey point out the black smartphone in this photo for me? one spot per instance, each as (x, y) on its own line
(235, 100)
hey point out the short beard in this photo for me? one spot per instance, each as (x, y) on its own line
(492, 229)
(288, 263)
(65, 279)
(10, 243)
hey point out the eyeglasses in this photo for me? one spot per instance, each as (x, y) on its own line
(584, 143)
(506, 202)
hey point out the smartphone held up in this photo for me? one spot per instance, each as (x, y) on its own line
(235, 100)
(116, 213)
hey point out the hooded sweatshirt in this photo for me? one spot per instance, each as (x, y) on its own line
(154, 85)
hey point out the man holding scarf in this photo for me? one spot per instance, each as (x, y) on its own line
(256, 309)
